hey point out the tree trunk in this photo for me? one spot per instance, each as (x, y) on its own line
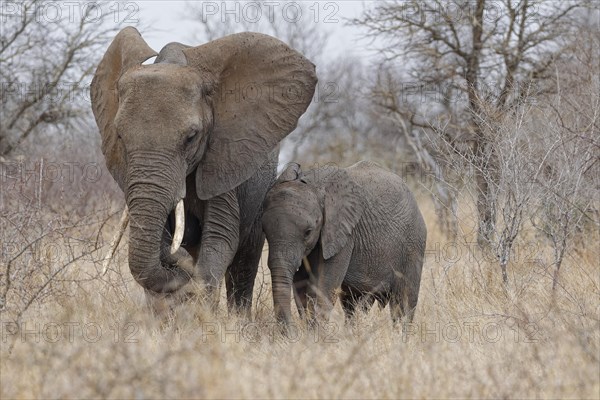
(486, 181)
(483, 154)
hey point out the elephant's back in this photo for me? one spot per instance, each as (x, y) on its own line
(381, 186)
(392, 220)
(369, 173)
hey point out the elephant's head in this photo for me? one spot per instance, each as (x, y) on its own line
(209, 114)
(303, 211)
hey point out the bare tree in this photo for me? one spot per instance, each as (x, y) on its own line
(518, 168)
(570, 182)
(547, 156)
(480, 58)
(47, 54)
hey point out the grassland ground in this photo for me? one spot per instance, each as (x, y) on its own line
(89, 335)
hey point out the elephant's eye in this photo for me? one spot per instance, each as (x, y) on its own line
(191, 136)
(307, 233)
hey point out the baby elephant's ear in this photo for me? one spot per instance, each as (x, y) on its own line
(344, 206)
(290, 173)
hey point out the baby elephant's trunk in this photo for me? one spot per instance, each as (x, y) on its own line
(281, 278)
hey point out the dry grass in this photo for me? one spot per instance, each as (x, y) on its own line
(470, 338)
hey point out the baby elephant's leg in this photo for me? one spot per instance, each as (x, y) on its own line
(403, 299)
(330, 275)
(301, 286)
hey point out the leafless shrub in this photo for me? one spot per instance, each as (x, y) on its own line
(480, 59)
(45, 256)
(570, 180)
(544, 174)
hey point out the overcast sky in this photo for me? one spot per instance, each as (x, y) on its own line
(162, 22)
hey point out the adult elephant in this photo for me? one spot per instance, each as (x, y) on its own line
(193, 140)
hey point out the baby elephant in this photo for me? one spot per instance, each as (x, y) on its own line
(357, 229)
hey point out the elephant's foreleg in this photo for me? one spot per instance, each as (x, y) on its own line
(329, 276)
(219, 242)
(301, 286)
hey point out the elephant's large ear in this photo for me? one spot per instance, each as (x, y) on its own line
(344, 206)
(262, 87)
(126, 51)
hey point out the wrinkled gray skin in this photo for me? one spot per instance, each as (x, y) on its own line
(191, 126)
(361, 231)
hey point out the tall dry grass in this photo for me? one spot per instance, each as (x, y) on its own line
(472, 337)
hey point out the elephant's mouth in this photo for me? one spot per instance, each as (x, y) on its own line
(182, 228)
(179, 241)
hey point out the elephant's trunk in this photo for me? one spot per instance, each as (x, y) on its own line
(150, 201)
(282, 273)
(282, 289)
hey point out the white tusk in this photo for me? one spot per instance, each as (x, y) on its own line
(116, 240)
(306, 265)
(179, 227)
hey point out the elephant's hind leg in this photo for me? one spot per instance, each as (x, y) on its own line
(241, 274)
(401, 308)
(403, 299)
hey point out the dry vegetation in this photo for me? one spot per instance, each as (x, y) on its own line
(92, 335)
(494, 321)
